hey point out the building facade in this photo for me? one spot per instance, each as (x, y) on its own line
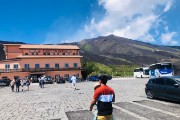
(23, 60)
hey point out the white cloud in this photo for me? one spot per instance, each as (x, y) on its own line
(168, 6)
(134, 19)
(131, 18)
(167, 38)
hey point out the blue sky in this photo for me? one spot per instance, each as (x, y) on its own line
(59, 21)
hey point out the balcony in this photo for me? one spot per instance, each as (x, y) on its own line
(39, 69)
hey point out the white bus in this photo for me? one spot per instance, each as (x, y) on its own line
(161, 69)
(142, 72)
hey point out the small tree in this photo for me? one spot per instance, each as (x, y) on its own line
(89, 68)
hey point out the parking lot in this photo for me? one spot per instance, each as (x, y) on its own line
(61, 102)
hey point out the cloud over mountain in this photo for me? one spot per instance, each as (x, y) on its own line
(134, 19)
(142, 20)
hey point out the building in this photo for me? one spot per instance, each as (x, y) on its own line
(23, 60)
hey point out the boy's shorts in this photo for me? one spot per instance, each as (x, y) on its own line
(107, 117)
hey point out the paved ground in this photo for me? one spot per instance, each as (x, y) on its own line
(61, 102)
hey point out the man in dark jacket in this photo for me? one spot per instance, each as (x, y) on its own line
(18, 83)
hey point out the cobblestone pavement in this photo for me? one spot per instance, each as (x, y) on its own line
(61, 102)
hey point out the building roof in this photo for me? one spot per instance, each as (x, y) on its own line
(49, 46)
(11, 44)
(48, 56)
(8, 60)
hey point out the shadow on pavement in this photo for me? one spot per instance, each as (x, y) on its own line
(80, 115)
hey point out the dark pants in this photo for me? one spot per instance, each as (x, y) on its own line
(17, 88)
(41, 84)
(12, 88)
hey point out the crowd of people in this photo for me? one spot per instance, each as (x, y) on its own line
(102, 98)
(20, 83)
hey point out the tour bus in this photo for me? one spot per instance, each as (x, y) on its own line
(142, 72)
(161, 69)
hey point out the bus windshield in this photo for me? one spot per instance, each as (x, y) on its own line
(164, 66)
(146, 71)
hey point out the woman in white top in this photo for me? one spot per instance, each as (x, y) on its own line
(73, 79)
(23, 82)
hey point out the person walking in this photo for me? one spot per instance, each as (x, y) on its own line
(73, 79)
(42, 81)
(39, 79)
(23, 83)
(12, 83)
(18, 83)
(104, 96)
(27, 84)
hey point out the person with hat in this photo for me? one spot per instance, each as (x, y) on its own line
(104, 96)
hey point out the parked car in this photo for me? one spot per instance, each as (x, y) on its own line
(93, 78)
(48, 79)
(109, 77)
(60, 80)
(4, 82)
(164, 87)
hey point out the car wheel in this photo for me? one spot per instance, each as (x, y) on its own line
(149, 94)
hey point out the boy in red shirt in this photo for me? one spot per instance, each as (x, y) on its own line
(104, 96)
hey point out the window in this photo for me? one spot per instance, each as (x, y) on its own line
(47, 66)
(75, 65)
(7, 66)
(74, 53)
(37, 66)
(36, 53)
(152, 67)
(164, 66)
(26, 66)
(4, 77)
(26, 54)
(170, 82)
(146, 72)
(66, 65)
(15, 66)
(56, 65)
(16, 77)
(48, 53)
(160, 81)
(138, 70)
(32, 53)
(44, 53)
(63, 53)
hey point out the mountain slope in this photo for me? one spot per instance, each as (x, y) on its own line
(113, 50)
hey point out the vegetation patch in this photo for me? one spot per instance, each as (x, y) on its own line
(94, 68)
(87, 47)
(143, 47)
